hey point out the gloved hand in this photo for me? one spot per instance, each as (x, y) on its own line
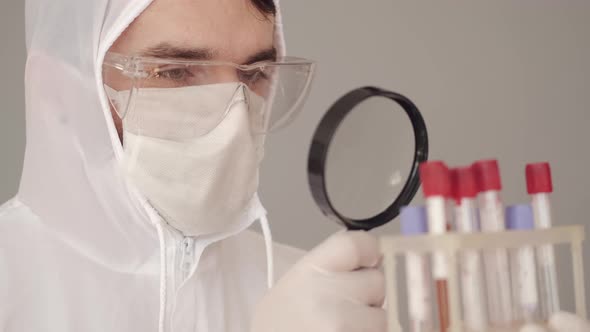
(336, 287)
(561, 322)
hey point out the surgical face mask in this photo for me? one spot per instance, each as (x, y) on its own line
(199, 184)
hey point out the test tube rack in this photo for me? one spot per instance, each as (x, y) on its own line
(451, 244)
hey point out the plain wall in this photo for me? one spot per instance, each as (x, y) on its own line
(505, 79)
(12, 113)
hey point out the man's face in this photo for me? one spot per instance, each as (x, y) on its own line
(226, 30)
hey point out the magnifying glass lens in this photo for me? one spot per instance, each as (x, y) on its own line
(370, 158)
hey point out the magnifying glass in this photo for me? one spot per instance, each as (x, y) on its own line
(364, 157)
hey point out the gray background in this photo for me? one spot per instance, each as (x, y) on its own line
(505, 79)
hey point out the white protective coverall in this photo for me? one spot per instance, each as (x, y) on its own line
(79, 251)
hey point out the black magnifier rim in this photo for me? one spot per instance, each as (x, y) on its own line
(323, 136)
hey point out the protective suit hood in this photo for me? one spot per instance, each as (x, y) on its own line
(90, 241)
(72, 145)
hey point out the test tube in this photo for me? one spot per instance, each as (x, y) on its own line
(413, 222)
(539, 186)
(522, 261)
(473, 293)
(436, 186)
(496, 264)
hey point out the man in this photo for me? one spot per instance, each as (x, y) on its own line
(145, 124)
(145, 127)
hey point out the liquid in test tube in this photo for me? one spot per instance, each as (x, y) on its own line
(540, 186)
(496, 264)
(436, 186)
(472, 280)
(418, 277)
(522, 261)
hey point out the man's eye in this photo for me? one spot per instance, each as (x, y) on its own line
(253, 76)
(175, 74)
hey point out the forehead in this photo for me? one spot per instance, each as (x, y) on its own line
(232, 29)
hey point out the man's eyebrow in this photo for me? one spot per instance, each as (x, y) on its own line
(165, 50)
(168, 51)
(266, 55)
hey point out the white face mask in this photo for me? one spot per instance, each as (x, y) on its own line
(199, 185)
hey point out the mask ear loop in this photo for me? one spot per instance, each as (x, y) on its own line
(130, 100)
(163, 277)
(268, 103)
(256, 116)
(270, 269)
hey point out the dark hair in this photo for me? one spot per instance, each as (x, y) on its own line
(265, 6)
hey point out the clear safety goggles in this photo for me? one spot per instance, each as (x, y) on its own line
(275, 91)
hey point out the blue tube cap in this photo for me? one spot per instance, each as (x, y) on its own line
(413, 220)
(520, 217)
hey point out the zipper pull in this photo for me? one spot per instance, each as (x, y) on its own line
(188, 249)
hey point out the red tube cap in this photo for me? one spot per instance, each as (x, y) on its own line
(487, 175)
(435, 179)
(538, 178)
(463, 182)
